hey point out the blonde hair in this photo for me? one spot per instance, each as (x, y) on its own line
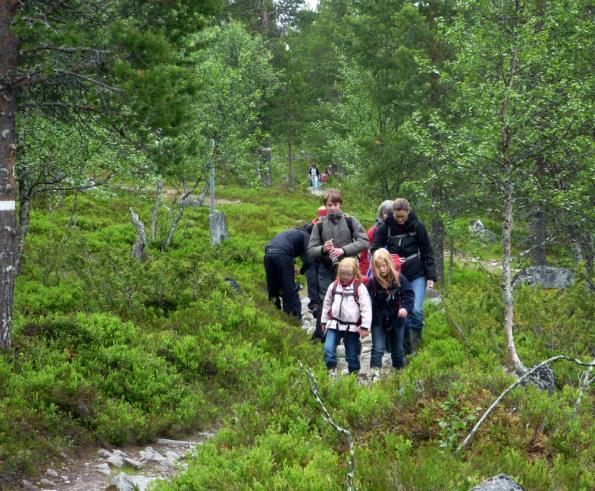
(383, 256)
(349, 263)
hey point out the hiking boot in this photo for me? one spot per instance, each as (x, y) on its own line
(345, 371)
(332, 373)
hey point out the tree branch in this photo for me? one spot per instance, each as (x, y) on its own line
(518, 381)
(313, 384)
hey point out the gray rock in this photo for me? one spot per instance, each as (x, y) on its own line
(29, 486)
(500, 482)
(134, 463)
(116, 461)
(51, 473)
(102, 452)
(482, 232)
(218, 227)
(544, 276)
(47, 484)
(434, 301)
(125, 482)
(543, 378)
(151, 455)
(104, 469)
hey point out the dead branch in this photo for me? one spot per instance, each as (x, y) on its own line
(155, 210)
(508, 389)
(585, 381)
(138, 250)
(313, 384)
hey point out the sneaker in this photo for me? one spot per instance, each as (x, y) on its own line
(332, 373)
(345, 371)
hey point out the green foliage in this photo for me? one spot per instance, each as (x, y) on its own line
(167, 346)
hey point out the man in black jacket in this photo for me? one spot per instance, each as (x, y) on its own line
(403, 234)
(279, 267)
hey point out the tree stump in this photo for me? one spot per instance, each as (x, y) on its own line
(218, 227)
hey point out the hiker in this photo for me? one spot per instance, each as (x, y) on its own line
(347, 315)
(312, 271)
(314, 176)
(392, 300)
(403, 234)
(336, 236)
(385, 208)
(279, 257)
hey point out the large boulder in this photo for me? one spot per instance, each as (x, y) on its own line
(478, 229)
(500, 482)
(544, 276)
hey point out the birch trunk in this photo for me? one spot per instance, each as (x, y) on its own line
(155, 210)
(507, 217)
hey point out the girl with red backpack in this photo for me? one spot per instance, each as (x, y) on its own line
(347, 315)
(392, 301)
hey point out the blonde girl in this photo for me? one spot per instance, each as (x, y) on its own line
(347, 315)
(392, 300)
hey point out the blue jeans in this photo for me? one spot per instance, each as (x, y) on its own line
(351, 342)
(379, 336)
(414, 322)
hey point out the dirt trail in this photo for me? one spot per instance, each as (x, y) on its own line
(90, 468)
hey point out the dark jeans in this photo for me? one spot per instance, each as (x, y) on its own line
(326, 275)
(395, 335)
(351, 342)
(312, 280)
(279, 269)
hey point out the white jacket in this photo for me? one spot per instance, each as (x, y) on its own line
(344, 307)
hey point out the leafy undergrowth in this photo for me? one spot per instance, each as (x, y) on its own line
(110, 350)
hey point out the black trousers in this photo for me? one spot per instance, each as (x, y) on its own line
(279, 269)
(326, 275)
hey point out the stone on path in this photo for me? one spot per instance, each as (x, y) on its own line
(500, 482)
(125, 482)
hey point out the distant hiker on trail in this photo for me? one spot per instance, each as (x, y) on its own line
(314, 176)
(385, 209)
(279, 257)
(346, 314)
(335, 237)
(312, 271)
(403, 234)
(392, 300)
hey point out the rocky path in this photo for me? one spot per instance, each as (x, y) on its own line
(128, 468)
(309, 324)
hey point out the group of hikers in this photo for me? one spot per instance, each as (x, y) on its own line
(359, 283)
(316, 180)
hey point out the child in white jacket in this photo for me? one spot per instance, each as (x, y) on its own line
(347, 314)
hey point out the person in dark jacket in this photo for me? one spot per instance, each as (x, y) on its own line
(392, 301)
(279, 267)
(403, 234)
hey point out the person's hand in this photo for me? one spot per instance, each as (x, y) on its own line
(328, 245)
(402, 313)
(363, 332)
(430, 283)
(336, 253)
